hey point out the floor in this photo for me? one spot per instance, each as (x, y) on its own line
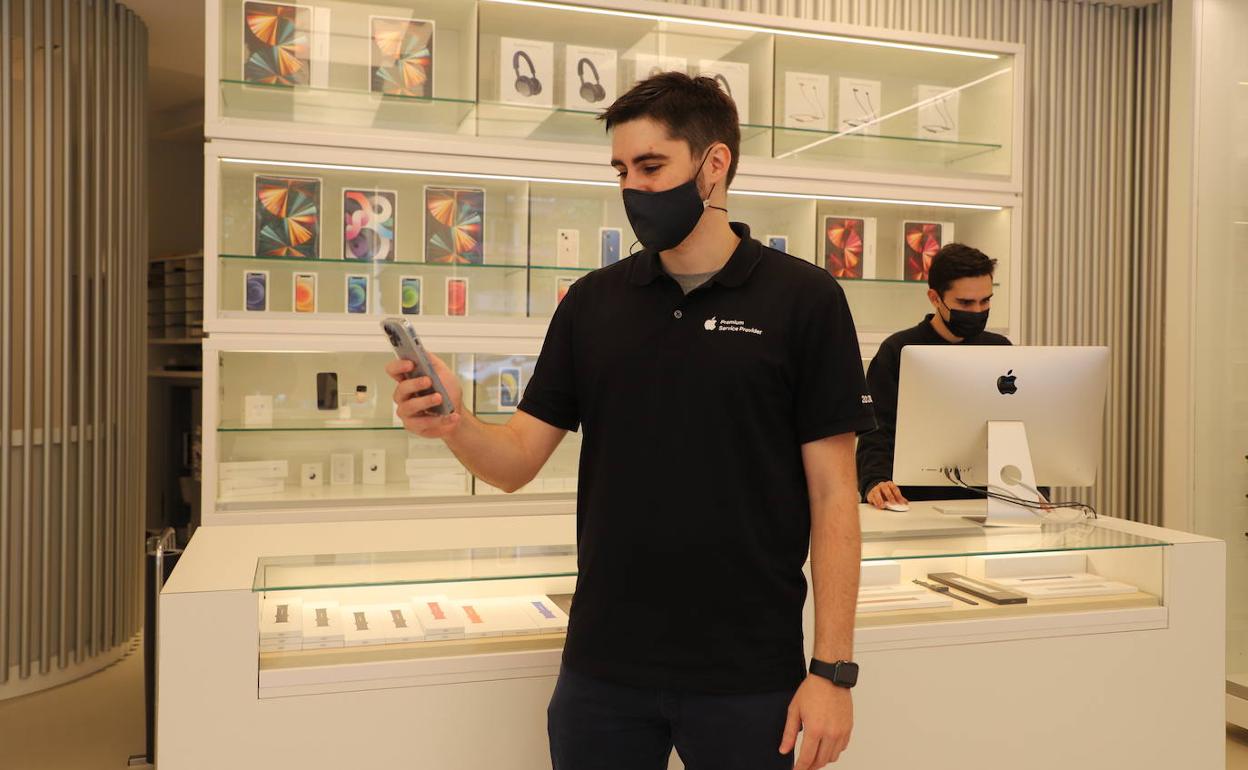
(95, 723)
(106, 711)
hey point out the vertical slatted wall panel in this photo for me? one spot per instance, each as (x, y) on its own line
(73, 235)
(1093, 212)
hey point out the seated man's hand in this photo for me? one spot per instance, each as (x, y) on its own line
(884, 493)
(413, 409)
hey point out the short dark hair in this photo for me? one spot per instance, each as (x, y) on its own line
(693, 109)
(954, 261)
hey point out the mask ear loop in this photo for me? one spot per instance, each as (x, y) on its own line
(706, 203)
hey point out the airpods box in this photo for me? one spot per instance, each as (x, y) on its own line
(342, 470)
(312, 475)
(375, 466)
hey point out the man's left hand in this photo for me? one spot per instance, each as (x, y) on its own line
(825, 715)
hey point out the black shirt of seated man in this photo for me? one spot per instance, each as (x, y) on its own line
(875, 449)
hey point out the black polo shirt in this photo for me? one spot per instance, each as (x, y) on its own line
(693, 520)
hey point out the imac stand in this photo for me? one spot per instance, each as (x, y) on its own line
(1010, 472)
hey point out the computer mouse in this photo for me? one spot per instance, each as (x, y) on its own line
(898, 507)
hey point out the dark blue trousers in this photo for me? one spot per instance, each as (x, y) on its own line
(596, 725)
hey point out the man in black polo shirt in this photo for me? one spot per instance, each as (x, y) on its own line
(960, 289)
(719, 387)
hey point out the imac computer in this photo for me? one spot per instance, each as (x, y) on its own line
(1009, 418)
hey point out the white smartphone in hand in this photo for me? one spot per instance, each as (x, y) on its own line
(408, 348)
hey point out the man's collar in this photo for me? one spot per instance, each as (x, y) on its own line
(646, 265)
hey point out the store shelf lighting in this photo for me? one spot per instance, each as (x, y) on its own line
(750, 28)
(552, 180)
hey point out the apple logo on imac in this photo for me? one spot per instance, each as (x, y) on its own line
(1005, 383)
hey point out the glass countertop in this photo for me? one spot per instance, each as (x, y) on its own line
(288, 573)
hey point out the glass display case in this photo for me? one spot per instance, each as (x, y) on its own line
(346, 609)
(806, 92)
(314, 429)
(315, 242)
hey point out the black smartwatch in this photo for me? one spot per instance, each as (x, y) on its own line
(842, 673)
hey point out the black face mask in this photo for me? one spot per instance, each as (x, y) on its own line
(964, 323)
(663, 220)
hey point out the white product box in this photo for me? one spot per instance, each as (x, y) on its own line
(899, 597)
(336, 644)
(399, 622)
(254, 469)
(1066, 586)
(282, 645)
(439, 617)
(375, 466)
(243, 487)
(938, 112)
(733, 78)
(258, 411)
(858, 106)
(436, 475)
(322, 624)
(416, 466)
(341, 470)
(567, 247)
(545, 613)
(439, 485)
(1013, 565)
(526, 72)
(589, 77)
(879, 573)
(281, 618)
(312, 475)
(365, 625)
(502, 616)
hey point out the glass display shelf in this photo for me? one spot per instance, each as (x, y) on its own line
(309, 427)
(1050, 538)
(376, 265)
(526, 239)
(890, 305)
(358, 570)
(317, 429)
(492, 119)
(544, 71)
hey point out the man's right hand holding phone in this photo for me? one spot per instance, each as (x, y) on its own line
(413, 407)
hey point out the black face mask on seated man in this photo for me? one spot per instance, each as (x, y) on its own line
(663, 220)
(965, 323)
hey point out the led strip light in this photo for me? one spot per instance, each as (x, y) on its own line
(551, 180)
(751, 28)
